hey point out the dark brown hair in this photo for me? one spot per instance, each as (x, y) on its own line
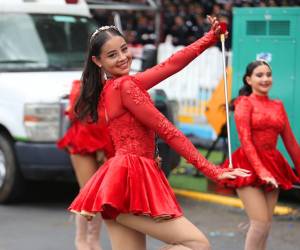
(86, 107)
(246, 89)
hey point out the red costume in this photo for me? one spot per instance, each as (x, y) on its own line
(85, 138)
(131, 181)
(259, 121)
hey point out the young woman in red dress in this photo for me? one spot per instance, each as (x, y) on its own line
(88, 145)
(130, 190)
(259, 121)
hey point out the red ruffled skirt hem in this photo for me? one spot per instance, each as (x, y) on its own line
(86, 139)
(127, 184)
(272, 160)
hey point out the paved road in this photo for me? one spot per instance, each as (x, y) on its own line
(42, 223)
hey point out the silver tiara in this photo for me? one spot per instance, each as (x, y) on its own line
(263, 61)
(103, 28)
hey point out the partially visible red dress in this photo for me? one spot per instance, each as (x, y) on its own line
(131, 181)
(85, 138)
(259, 121)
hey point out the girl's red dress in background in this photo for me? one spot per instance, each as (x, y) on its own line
(260, 121)
(82, 137)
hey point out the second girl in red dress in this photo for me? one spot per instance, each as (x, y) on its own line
(259, 121)
(88, 145)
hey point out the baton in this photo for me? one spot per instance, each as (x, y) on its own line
(223, 31)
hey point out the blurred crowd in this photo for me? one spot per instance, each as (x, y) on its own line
(184, 20)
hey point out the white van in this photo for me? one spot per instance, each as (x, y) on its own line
(42, 48)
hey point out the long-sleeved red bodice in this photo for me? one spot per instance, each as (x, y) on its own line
(260, 121)
(140, 185)
(133, 119)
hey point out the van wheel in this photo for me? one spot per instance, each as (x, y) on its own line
(11, 181)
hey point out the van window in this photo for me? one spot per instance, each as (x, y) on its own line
(38, 42)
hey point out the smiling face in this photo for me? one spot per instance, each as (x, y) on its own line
(115, 58)
(260, 80)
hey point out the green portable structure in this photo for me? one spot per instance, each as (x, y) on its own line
(272, 34)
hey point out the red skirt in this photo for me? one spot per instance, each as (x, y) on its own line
(127, 184)
(272, 160)
(86, 139)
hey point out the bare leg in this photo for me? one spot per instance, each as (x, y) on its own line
(257, 209)
(93, 233)
(272, 198)
(179, 233)
(124, 238)
(85, 166)
(175, 247)
(81, 233)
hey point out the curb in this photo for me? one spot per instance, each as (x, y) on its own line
(226, 201)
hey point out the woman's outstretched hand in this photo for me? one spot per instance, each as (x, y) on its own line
(233, 173)
(215, 26)
(271, 181)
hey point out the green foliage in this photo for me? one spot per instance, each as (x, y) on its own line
(188, 182)
(187, 177)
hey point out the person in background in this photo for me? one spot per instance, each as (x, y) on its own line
(259, 122)
(89, 146)
(179, 31)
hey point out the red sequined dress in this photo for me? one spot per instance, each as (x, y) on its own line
(259, 121)
(131, 181)
(85, 138)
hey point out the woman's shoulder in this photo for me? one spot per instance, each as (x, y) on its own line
(242, 100)
(277, 101)
(127, 86)
(123, 81)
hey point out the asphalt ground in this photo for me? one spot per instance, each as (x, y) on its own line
(43, 223)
